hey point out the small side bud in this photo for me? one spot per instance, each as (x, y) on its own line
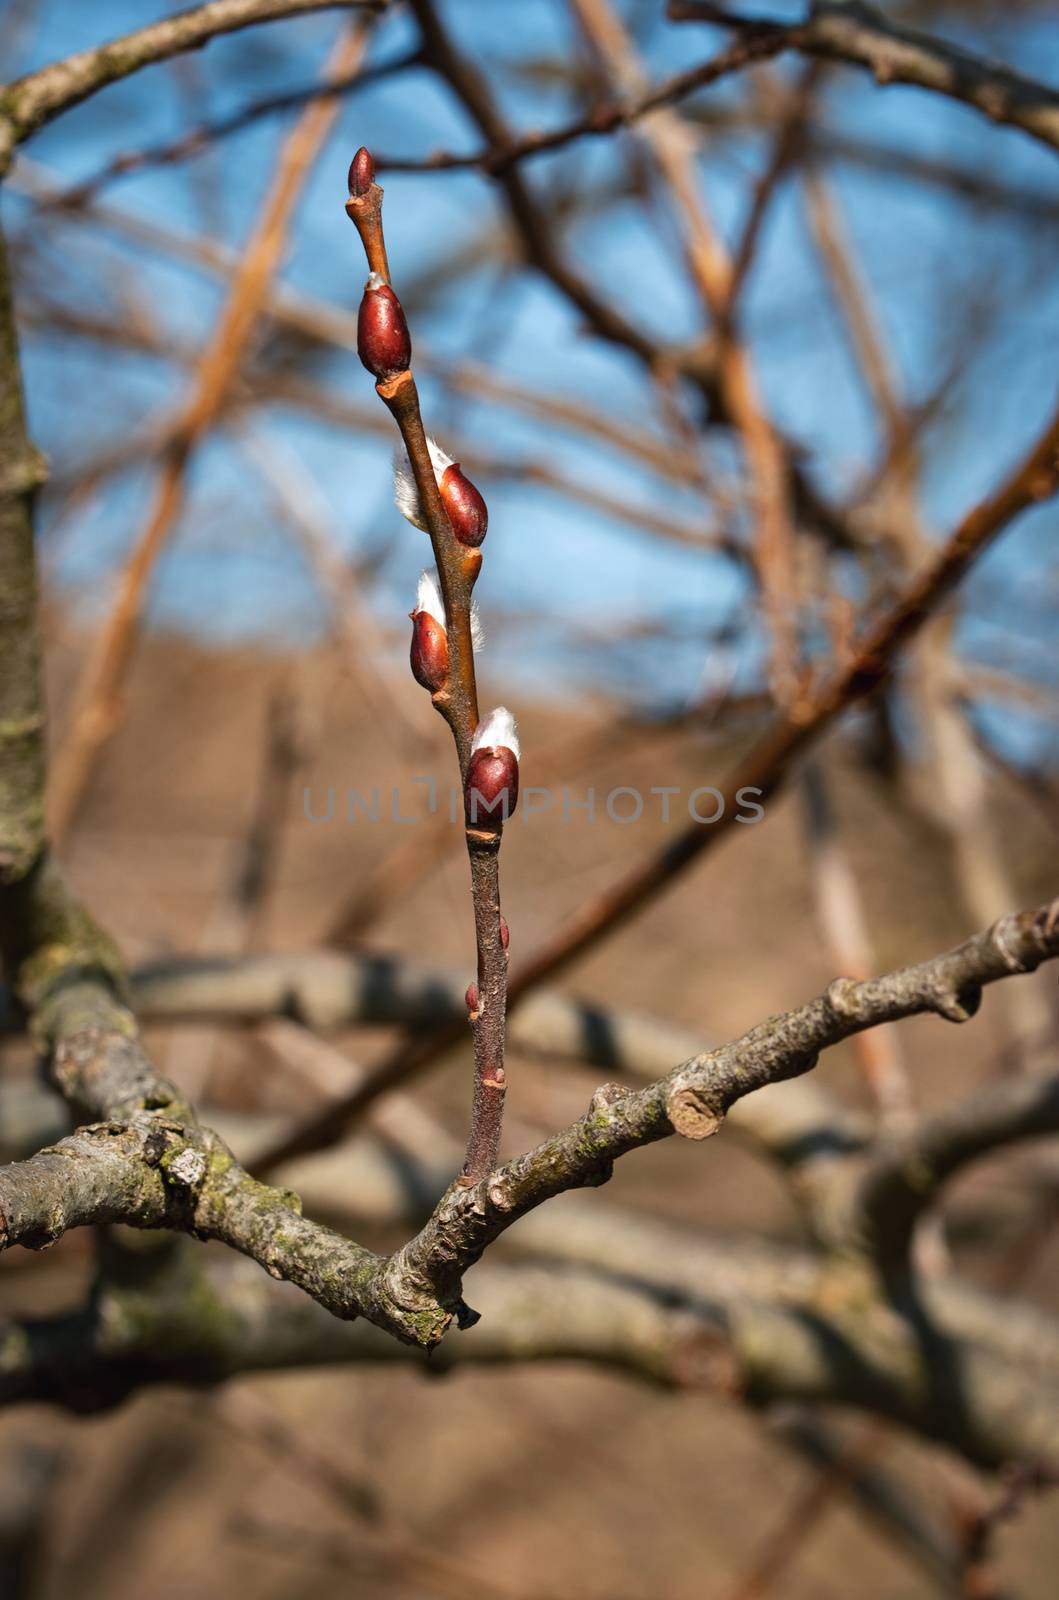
(383, 341)
(471, 998)
(429, 653)
(491, 790)
(465, 506)
(361, 174)
(505, 931)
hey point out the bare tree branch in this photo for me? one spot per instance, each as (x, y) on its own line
(30, 102)
(851, 32)
(761, 773)
(694, 1098)
(131, 1337)
(905, 1177)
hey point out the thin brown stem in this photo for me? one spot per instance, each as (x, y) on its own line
(763, 772)
(788, 144)
(457, 700)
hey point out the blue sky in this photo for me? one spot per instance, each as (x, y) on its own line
(232, 571)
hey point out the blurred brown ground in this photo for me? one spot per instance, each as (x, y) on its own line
(557, 1480)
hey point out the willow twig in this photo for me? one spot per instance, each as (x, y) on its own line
(454, 691)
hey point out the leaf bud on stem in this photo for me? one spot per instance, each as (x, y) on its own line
(383, 341)
(361, 174)
(429, 653)
(491, 788)
(463, 503)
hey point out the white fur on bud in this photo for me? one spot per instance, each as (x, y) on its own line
(498, 731)
(405, 493)
(428, 599)
(428, 596)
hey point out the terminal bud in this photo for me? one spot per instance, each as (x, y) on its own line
(361, 174)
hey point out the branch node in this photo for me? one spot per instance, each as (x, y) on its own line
(957, 1005)
(841, 997)
(187, 1169)
(693, 1114)
(608, 1094)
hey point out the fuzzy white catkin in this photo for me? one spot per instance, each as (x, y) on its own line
(405, 493)
(428, 599)
(498, 731)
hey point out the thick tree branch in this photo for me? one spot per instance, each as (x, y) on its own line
(30, 102)
(164, 1327)
(694, 1098)
(904, 1179)
(857, 34)
(417, 1291)
(803, 1128)
(21, 717)
(145, 1161)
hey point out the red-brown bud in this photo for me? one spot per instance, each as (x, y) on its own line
(464, 504)
(505, 931)
(491, 790)
(429, 654)
(383, 341)
(471, 998)
(361, 174)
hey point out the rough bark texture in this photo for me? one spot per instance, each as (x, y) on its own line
(21, 718)
(848, 1323)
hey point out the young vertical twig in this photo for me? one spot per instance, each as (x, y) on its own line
(441, 500)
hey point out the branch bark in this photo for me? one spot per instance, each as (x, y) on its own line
(21, 715)
(30, 102)
(155, 1331)
(694, 1098)
(858, 35)
(906, 1176)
